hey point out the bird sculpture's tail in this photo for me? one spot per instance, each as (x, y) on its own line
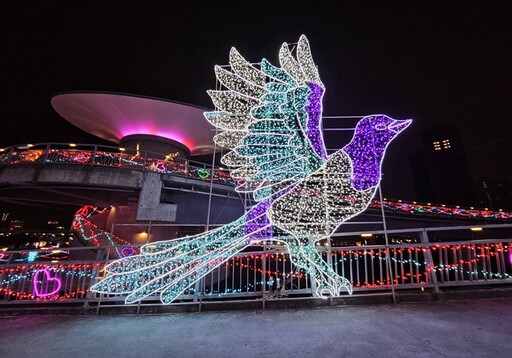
(170, 267)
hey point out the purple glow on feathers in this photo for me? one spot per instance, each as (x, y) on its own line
(368, 146)
(314, 110)
(255, 221)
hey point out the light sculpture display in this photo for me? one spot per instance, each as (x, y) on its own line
(44, 284)
(269, 118)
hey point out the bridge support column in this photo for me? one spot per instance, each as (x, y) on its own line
(149, 207)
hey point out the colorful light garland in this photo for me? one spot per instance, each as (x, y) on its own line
(228, 122)
(110, 159)
(47, 285)
(89, 232)
(363, 267)
(43, 282)
(441, 210)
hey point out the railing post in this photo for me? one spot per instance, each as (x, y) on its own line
(46, 153)
(264, 273)
(93, 155)
(388, 255)
(9, 156)
(329, 256)
(95, 274)
(429, 260)
(211, 186)
(146, 167)
(197, 288)
(312, 281)
(107, 256)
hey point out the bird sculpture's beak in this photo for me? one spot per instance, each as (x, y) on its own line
(399, 126)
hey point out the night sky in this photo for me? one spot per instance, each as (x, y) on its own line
(446, 62)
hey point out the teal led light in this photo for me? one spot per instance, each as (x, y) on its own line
(269, 119)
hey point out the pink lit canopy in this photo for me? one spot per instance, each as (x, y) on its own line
(114, 116)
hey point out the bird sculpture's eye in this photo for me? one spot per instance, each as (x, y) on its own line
(380, 127)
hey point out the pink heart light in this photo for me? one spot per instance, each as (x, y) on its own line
(46, 281)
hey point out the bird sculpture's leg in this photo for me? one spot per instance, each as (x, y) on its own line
(304, 255)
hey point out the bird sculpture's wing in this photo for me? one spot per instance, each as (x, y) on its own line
(270, 119)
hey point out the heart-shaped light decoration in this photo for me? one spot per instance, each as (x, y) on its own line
(128, 251)
(47, 282)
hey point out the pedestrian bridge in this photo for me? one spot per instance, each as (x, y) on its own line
(422, 259)
(57, 167)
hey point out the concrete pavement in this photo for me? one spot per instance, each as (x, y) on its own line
(473, 328)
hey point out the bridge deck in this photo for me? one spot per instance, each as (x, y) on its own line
(476, 328)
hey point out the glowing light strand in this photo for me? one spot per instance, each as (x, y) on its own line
(42, 285)
(233, 160)
(473, 266)
(284, 164)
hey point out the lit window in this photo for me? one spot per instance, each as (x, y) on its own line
(446, 144)
(437, 145)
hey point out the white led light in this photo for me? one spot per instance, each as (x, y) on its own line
(269, 119)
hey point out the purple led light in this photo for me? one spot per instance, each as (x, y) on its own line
(256, 219)
(47, 281)
(314, 110)
(128, 251)
(138, 129)
(368, 146)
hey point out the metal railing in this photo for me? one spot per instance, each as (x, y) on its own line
(267, 272)
(107, 156)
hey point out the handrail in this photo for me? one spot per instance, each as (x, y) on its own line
(111, 156)
(252, 274)
(78, 146)
(270, 250)
(428, 229)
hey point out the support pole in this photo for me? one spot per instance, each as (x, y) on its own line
(388, 256)
(107, 256)
(264, 271)
(147, 241)
(211, 184)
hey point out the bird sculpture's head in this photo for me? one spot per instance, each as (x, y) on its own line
(379, 130)
(366, 149)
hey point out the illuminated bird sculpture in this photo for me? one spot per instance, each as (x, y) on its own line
(270, 118)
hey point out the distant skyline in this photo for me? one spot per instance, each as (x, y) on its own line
(437, 63)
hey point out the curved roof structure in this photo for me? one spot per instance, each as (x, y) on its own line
(113, 116)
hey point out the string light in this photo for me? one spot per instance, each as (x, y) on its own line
(270, 119)
(43, 285)
(415, 208)
(226, 121)
(451, 262)
(39, 281)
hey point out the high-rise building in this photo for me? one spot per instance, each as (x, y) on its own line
(495, 194)
(16, 225)
(441, 170)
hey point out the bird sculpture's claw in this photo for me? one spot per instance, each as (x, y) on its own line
(325, 292)
(333, 288)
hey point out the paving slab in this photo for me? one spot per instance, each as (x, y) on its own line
(471, 328)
